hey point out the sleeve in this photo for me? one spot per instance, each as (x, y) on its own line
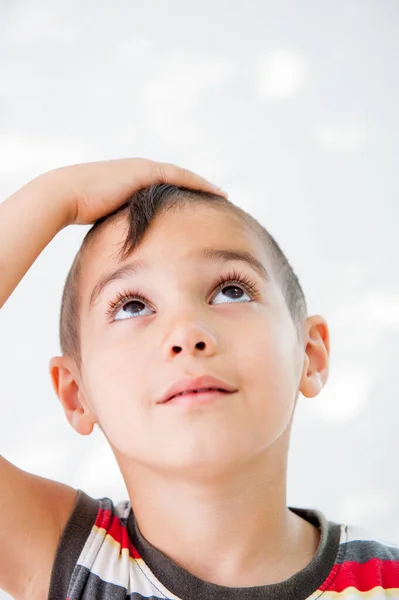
(71, 544)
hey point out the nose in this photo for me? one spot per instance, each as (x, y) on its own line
(189, 339)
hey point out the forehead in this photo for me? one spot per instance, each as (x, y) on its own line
(173, 237)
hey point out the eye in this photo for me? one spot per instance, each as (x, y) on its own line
(132, 308)
(127, 305)
(236, 287)
(231, 293)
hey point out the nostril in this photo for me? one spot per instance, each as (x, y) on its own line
(178, 349)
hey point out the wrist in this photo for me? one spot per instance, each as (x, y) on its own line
(51, 191)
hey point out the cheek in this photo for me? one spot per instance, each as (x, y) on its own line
(115, 380)
(117, 393)
(266, 363)
(266, 347)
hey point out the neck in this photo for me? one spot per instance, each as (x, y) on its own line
(255, 539)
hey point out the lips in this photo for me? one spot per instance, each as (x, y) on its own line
(203, 383)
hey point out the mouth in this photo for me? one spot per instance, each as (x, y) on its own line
(198, 397)
(198, 389)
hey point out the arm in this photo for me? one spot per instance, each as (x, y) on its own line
(29, 219)
(33, 510)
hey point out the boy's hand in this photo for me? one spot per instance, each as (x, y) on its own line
(94, 189)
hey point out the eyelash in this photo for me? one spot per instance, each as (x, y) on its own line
(233, 277)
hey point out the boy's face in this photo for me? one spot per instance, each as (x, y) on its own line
(130, 359)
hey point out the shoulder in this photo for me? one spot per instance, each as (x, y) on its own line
(93, 540)
(365, 562)
(361, 546)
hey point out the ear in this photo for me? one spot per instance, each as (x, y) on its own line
(67, 385)
(316, 360)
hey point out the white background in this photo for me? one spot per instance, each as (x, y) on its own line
(290, 106)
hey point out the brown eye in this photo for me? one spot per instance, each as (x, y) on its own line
(230, 293)
(129, 305)
(233, 292)
(133, 307)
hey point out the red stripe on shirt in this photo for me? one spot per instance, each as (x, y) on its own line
(363, 576)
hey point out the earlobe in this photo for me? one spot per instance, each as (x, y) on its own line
(316, 361)
(66, 384)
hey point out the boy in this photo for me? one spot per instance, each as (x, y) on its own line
(185, 338)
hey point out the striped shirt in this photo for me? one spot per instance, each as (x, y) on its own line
(102, 555)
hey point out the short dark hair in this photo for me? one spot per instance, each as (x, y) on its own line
(139, 211)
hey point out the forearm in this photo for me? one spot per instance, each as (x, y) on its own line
(29, 219)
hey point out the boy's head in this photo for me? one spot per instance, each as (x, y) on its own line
(180, 283)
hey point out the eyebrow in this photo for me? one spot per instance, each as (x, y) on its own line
(214, 255)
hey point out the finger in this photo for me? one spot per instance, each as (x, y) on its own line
(174, 175)
(149, 172)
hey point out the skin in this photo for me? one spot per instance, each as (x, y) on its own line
(214, 473)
